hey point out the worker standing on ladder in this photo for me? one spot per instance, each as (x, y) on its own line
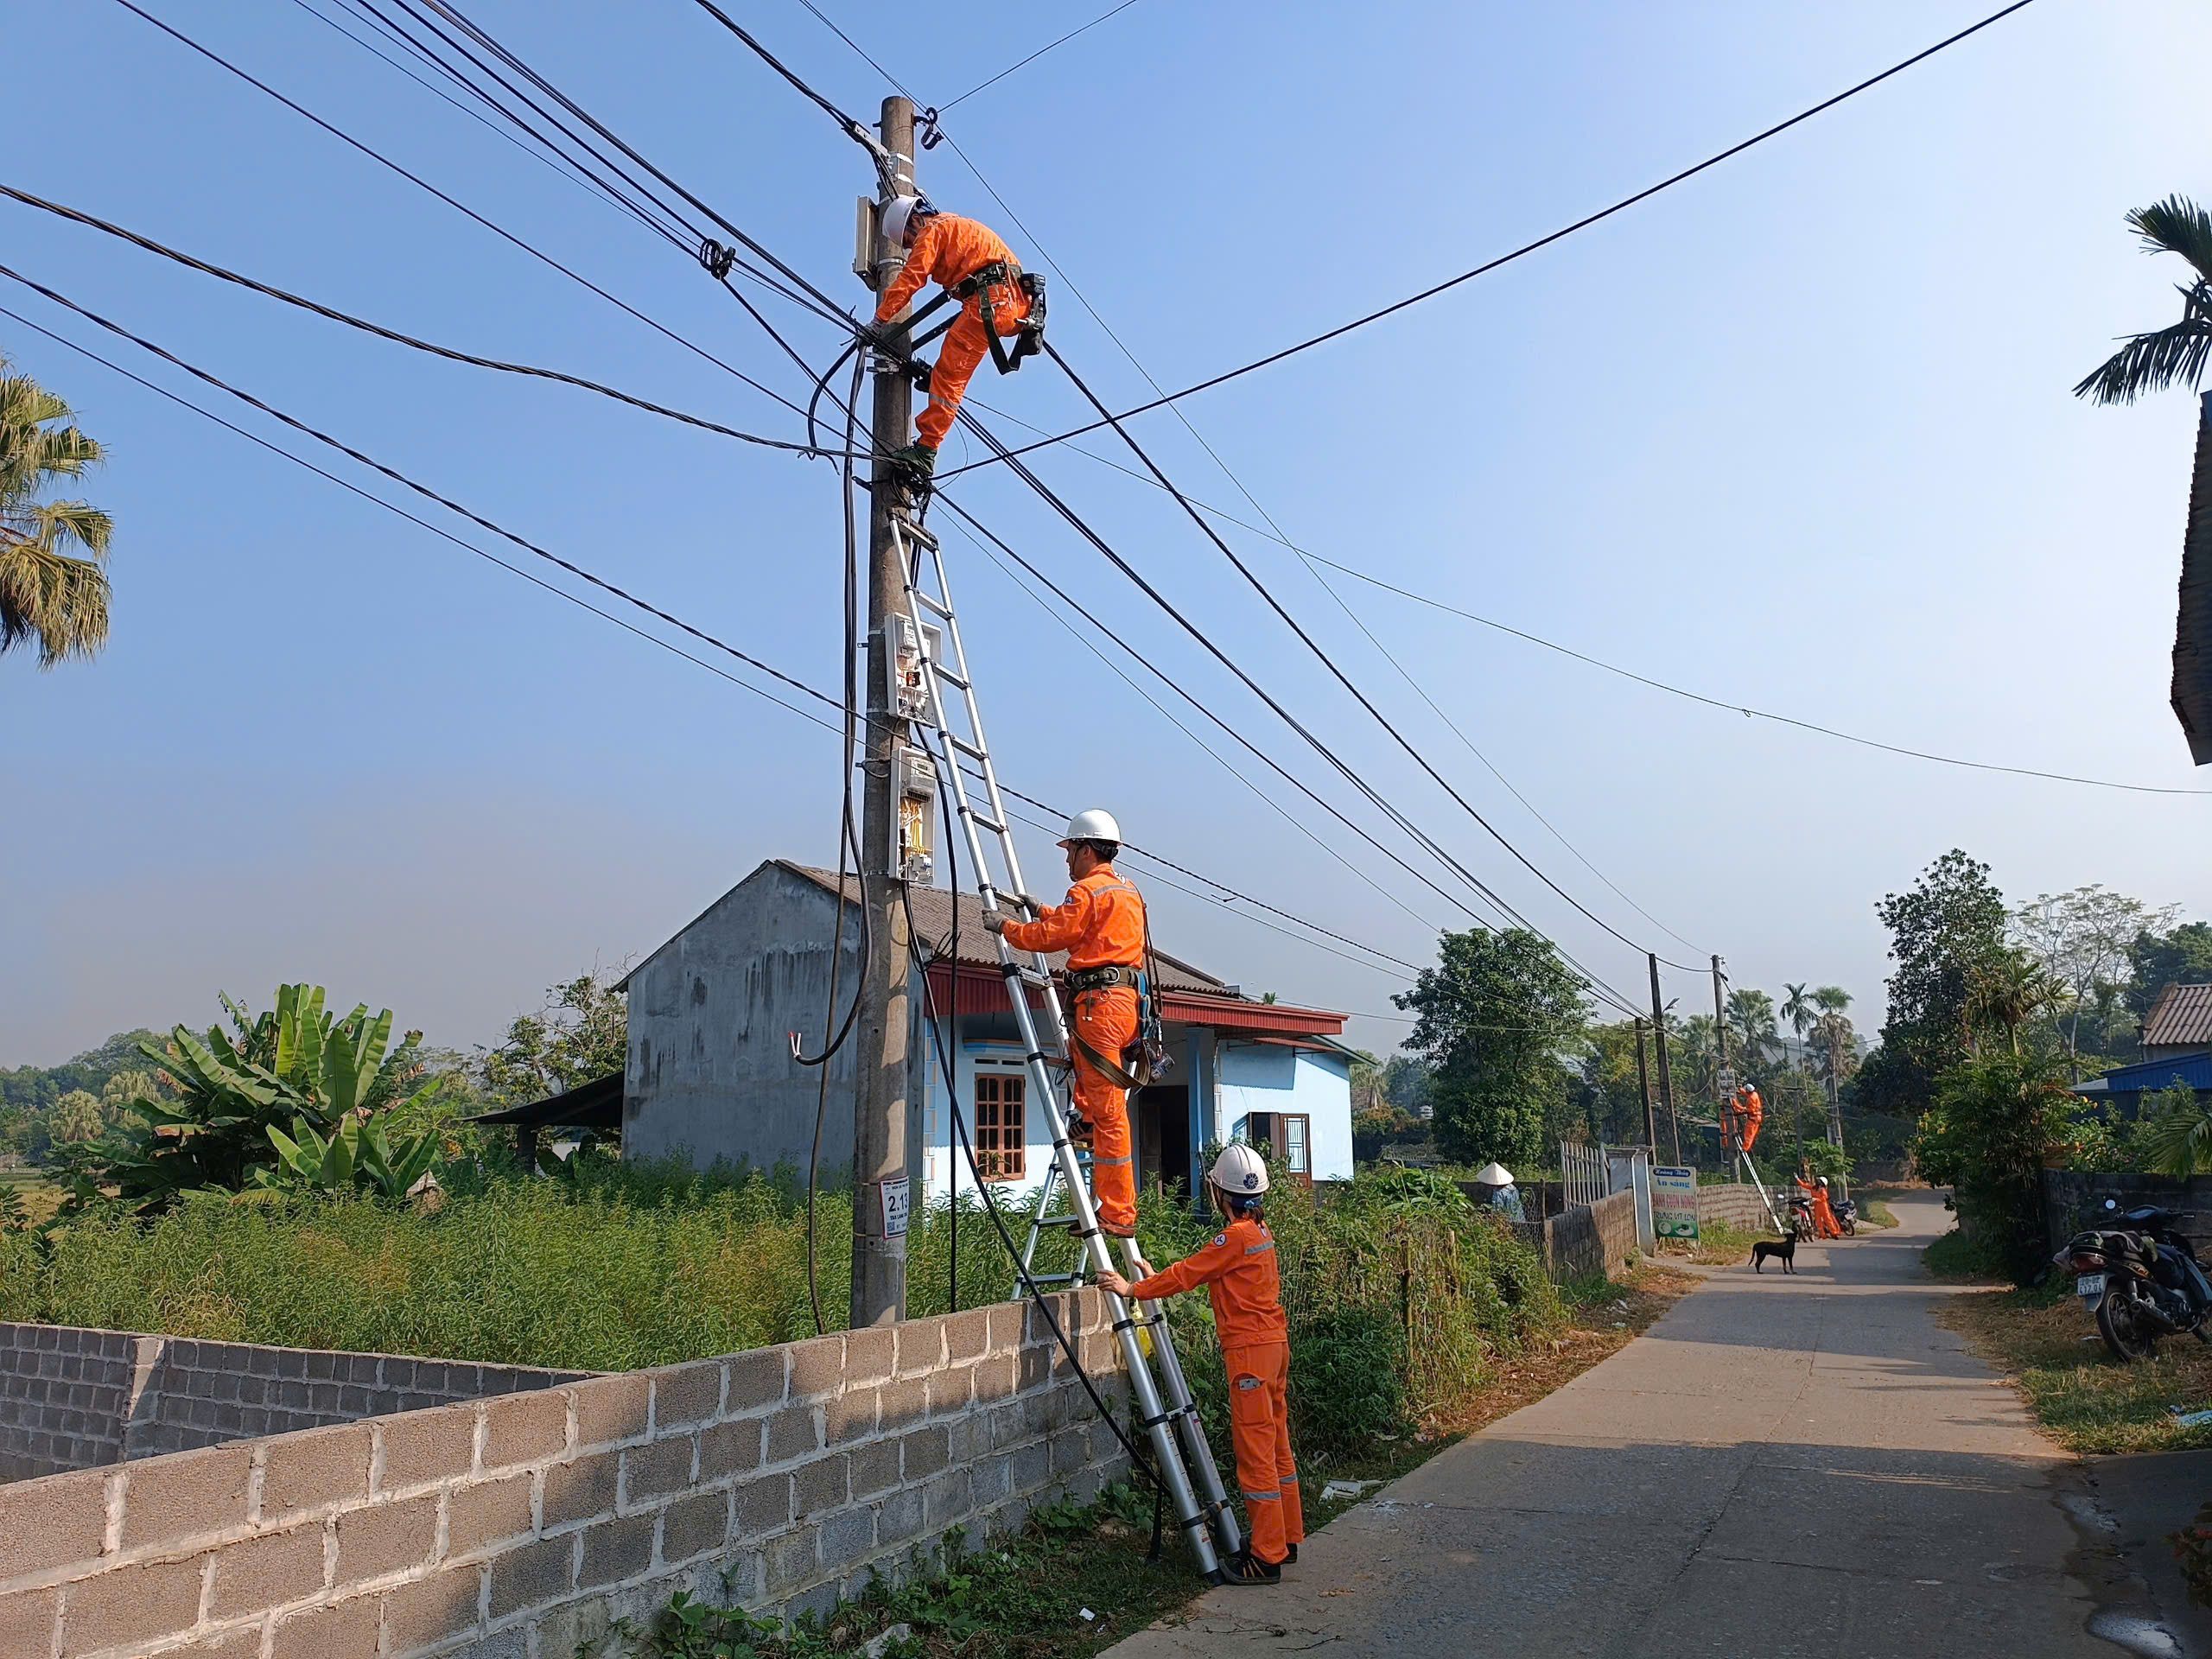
(1102, 927)
(979, 270)
(1239, 1272)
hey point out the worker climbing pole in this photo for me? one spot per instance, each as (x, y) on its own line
(998, 301)
(926, 748)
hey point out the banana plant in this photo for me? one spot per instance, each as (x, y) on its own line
(355, 1154)
(295, 1063)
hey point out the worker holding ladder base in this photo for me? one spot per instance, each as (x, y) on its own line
(1238, 1270)
(1102, 927)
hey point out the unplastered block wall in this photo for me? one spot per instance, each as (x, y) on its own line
(1737, 1205)
(1585, 1239)
(78, 1399)
(517, 1526)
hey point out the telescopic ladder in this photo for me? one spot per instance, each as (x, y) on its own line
(954, 736)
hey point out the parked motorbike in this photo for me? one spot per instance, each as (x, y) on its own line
(1846, 1217)
(2141, 1279)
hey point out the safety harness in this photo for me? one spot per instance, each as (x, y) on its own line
(1147, 1054)
(1028, 337)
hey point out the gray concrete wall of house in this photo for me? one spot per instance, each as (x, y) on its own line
(528, 1523)
(75, 1399)
(709, 1071)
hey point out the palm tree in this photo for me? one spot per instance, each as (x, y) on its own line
(1797, 1008)
(1750, 1021)
(2154, 362)
(47, 592)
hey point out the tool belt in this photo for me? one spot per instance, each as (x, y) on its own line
(1029, 338)
(1102, 979)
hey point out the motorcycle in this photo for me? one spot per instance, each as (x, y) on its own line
(1846, 1217)
(2139, 1280)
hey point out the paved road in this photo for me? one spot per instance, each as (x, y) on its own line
(1808, 1465)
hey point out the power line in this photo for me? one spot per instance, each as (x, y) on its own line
(1526, 248)
(1025, 62)
(1219, 888)
(422, 183)
(451, 354)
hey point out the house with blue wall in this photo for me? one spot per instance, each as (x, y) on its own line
(713, 1013)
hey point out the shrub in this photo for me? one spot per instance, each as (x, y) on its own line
(1986, 1139)
(1347, 1380)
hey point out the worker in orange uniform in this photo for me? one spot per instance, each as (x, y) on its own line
(1101, 926)
(1238, 1270)
(1750, 1112)
(981, 271)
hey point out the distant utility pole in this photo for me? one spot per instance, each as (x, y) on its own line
(1720, 1064)
(880, 1174)
(1644, 1083)
(1666, 1077)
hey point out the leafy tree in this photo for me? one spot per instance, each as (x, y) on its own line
(2183, 956)
(2176, 1132)
(77, 1116)
(1495, 1017)
(582, 1033)
(1367, 1092)
(1945, 935)
(1985, 1138)
(1405, 1084)
(2008, 990)
(2178, 351)
(1835, 1045)
(2083, 940)
(47, 592)
(1751, 1028)
(1607, 1096)
(294, 1062)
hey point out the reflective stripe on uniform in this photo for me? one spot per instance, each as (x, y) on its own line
(1111, 1161)
(1263, 1497)
(1259, 1250)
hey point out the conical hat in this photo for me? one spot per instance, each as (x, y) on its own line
(1493, 1174)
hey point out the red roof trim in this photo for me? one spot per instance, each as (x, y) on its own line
(984, 992)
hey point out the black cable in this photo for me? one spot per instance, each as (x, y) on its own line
(1076, 521)
(451, 354)
(1528, 248)
(664, 645)
(416, 178)
(1327, 660)
(1023, 63)
(853, 130)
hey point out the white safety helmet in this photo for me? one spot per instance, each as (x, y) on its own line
(1239, 1172)
(1096, 824)
(898, 212)
(1493, 1174)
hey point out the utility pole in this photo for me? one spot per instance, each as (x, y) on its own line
(1644, 1083)
(1666, 1077)
(1720, 1064)
(884, 1025)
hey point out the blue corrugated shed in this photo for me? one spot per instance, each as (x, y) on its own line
(2127, 1084)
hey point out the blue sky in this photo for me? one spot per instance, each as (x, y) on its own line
(1797, 435)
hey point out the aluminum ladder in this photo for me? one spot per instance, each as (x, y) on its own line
(931, 659)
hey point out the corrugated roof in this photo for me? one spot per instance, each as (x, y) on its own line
(932, 908)
(2182, 1018)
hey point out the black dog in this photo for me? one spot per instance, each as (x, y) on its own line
(1784, 1249)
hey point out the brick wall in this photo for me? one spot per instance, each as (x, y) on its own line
(2073, 1199)
(1736, 1203)
(512, 1527)
(75, 1399)
(1583, 1239)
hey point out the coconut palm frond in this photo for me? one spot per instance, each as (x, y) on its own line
(60, 602)
(2177, 226)
(47, 594)
(2154, 362)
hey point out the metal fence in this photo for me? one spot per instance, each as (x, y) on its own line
(1582, 1173)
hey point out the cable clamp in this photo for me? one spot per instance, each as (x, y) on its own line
(716, 258)
(925, 129)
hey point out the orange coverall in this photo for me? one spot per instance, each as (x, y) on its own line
(951, 249)
(1825, 1224)
(1101, 924)
(1238, 1270)
(1749, 1110)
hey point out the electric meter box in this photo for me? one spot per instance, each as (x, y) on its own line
(907, 696)
(913, 793)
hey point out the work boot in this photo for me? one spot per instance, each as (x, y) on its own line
(918, 459)
(1246, 1568)
(1113, 1229)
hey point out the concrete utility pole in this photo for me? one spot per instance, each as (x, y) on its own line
(1720, 1064)
(1644, 1083)
(883, 1031)
(1666, 1077)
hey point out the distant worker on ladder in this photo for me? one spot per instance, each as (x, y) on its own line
(1102, 927)
(1239, 1272)
(997, 301)
(1744, 1115)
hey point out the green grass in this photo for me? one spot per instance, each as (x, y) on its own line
(1956, 1256)
(2086, 1400)
(1874, 1213)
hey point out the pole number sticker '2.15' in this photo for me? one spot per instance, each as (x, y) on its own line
(895, 1194)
